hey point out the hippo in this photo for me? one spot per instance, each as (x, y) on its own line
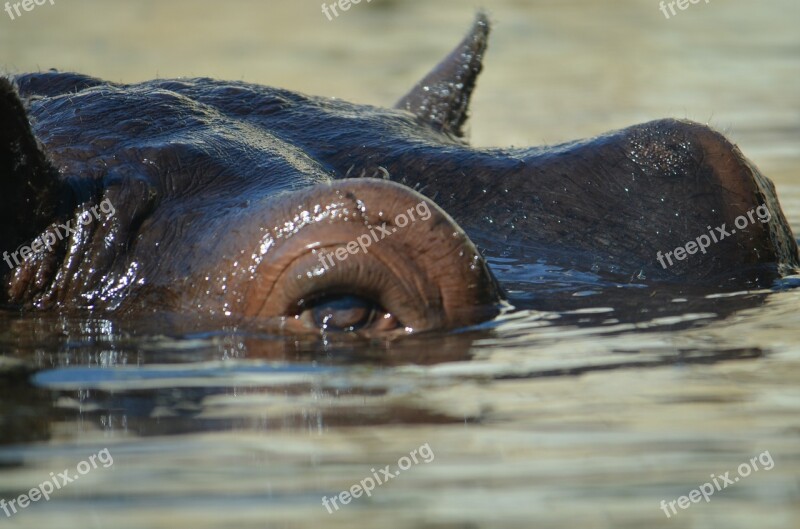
(244, 205)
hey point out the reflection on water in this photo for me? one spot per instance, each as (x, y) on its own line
(586, 406)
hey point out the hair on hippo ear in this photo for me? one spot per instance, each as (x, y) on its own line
(441, 98)
(32, 195)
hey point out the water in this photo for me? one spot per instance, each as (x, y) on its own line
(585, 407)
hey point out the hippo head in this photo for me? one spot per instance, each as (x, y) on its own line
(220, 200)
(258, 206)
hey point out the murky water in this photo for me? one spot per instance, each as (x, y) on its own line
(586, 407)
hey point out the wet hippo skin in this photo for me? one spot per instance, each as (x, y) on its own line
(243, 203)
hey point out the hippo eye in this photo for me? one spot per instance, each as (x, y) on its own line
(346, 313)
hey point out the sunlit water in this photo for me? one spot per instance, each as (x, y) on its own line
(585, 407)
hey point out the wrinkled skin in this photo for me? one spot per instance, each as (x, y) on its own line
(226, 195)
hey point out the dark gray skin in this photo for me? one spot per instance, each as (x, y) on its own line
(224, 193)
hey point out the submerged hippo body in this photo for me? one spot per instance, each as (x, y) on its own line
(254, 204)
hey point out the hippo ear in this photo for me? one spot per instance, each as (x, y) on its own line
(30, 192)
(442, 97)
